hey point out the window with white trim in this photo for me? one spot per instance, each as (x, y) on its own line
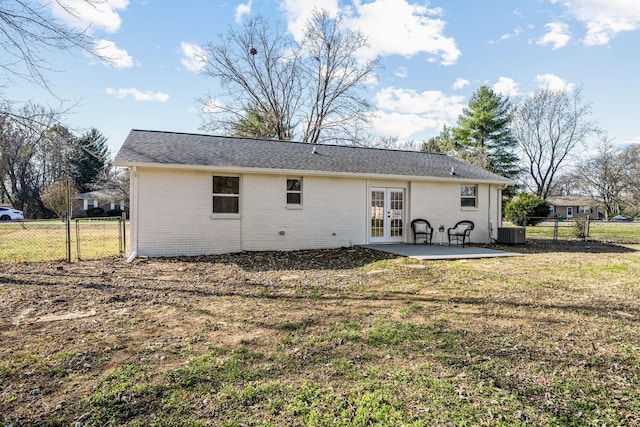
(92, 202)
(117, 206)
(294, 191)
(468, 196)
(226, 194)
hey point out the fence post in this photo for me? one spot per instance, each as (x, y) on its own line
(69, 213)
(122, 234)
(555, 231)
(78, 239)
(586, 228)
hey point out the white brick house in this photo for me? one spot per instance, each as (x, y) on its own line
(200, 194)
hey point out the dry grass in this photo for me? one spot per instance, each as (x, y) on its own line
(346, 337)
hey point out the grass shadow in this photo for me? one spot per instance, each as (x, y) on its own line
(537, 246)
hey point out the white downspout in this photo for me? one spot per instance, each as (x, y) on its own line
(489, 215)
(133, 214)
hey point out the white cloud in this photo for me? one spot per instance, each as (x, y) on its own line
(516, 32)
(506, 86)
(605, 18)
(138, 95)
(401, 72)
(112, 55)
(405, 112)
(409, 29)
(558, 35)
(460, 83)
(553, 82)
(90, 15)
(241, 10)
(298, 11)
(403, 126)
(194, 57)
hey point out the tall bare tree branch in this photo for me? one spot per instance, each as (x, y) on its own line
(549, 126)
(28, 32)
(313, 87)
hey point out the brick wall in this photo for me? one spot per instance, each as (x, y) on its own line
(439, 203)
(175, 212)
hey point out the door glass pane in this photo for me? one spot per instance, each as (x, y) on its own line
(396, 208)
(377, 213)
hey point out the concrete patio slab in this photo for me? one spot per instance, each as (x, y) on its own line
(435, 252)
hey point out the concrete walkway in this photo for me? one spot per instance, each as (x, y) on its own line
(422, 251)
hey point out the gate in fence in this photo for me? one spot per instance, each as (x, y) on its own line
(99, 237)
(78, 239)
(558, 229)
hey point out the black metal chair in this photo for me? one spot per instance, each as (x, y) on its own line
(461, 232)
(421, 227)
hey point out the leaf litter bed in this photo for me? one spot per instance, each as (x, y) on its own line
(329, 337)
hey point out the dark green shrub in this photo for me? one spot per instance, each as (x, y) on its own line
(525, 206)
(115, 212)
(95, 212)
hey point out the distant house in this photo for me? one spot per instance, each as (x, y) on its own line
(110, 201)
(573, 207)
(201, 194)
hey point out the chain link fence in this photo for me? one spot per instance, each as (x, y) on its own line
(560, 229)
(56, 240)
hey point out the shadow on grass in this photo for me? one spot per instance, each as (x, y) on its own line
(535, 246)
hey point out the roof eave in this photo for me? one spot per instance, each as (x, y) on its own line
(268, 171)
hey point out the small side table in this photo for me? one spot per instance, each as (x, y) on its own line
(440, 237)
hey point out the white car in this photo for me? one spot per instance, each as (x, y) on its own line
(8, 214)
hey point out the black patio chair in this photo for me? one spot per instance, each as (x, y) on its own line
(421, 227)
(460, 232)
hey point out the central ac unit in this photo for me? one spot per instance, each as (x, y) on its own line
(511, 235)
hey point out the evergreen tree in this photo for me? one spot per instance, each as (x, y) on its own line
(254, 125)
(483, 136)
(90, 157)
(443, 143)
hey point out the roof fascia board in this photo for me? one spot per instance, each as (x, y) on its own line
(227, 169)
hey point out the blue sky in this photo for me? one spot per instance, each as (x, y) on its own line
(434, 56)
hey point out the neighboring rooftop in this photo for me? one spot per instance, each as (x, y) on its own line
(172, 149)
(105, 194)
(571, 201)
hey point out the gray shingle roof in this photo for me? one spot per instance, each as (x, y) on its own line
(173, 149)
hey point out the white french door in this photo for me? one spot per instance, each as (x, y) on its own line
(386, 215)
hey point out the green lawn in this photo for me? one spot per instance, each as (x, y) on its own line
(598, 230)
(46, 240)
(326, 338)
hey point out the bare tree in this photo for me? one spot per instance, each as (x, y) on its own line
(567, 184)
(632, 159)
(549, 126)
(32, 156)
(55, 196)
(336, 78)
(604, 177)
(313, 87)
(28, 31)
